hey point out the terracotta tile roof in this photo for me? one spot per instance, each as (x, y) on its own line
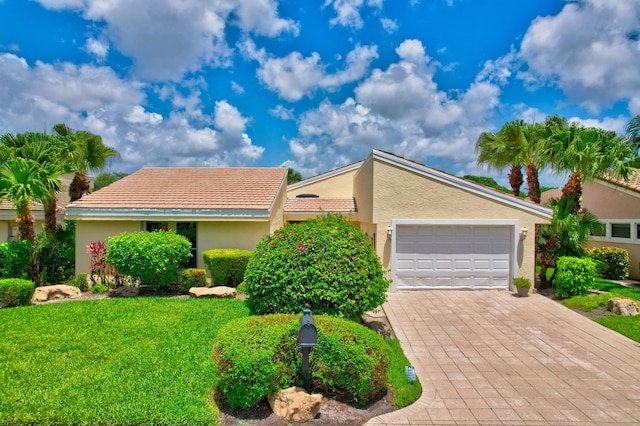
(7, 205)
(299, 205)
(190, 188)
(633, 183)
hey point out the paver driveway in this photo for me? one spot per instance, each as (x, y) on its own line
(487, 357)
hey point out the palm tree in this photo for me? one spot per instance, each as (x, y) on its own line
(586, 153)
(496, 150)
(43, 150)
(85, 151)
(23, 181)
(633, 132)
(516, 144)
(565, 236)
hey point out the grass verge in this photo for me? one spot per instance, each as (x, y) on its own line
(591, 302)
(404, 391)
(113, 361)
(627, 326)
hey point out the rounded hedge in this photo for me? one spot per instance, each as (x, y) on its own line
(153, 258)
(259, 355)
(326, 262)
(15, 292)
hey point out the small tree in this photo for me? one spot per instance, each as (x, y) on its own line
(152, 258)
(326, 262)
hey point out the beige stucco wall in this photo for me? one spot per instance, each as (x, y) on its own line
(5, 230)
(608, 203)
(402, 194)
(338, 186)
(88, 231)
(276, 217)
(363, 192)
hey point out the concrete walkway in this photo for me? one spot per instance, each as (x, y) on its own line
(487, 357)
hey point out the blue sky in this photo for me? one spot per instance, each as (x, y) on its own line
(313, 85)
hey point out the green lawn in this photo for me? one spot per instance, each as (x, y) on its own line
(111, 361)
(123, 361)
(628, 326)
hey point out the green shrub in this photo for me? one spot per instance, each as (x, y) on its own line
(242, 288)
(574, 276)
(227, 266)
(81, 281)
(14, 259)
(259, 355)
(521, 282)
(152, 258)
(611, 262)
(326, 262)
(192, 277)
(55, 254)
(15, 291)
(99, 289)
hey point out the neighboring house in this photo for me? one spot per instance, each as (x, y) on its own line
(431, 229)
(8, 224)
(617, 204)
(213, 207)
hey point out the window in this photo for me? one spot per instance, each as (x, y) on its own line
(621, 230)
(602, 232)
(157, 226)
(189, 230)
(637, 231)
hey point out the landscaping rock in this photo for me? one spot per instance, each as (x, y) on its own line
(218, 291)
(126, 292)
(59, 291)
(295, 404)
(624, 307)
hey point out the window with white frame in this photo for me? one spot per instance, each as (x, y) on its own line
(619, 230)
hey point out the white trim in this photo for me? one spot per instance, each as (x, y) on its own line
(193, 215)
(513, 254)
(617, 187)
(462, 183)
(325, 175)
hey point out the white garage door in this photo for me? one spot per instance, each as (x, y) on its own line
(452, 256)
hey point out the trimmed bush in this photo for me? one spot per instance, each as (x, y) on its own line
(227, 266)
(326, 262)
(192, 277)
(611, 262)
(14, 259)
(152, 258)
(574, 276)
(259, 355)
(15, 291)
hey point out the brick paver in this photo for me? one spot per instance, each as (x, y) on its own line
(487, 357)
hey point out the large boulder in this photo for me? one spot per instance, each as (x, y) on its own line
(218, 291)
(295, 404)
(624, 307)
(58, 291)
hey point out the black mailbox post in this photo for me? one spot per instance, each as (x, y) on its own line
(307, 339)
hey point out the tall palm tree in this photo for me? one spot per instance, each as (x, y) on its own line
(41, 149)
(85, 151)
(565, 236)
(633, 132)
(496, 150)
(586, 153)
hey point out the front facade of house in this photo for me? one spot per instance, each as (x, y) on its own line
(430, 229)
(617, 204)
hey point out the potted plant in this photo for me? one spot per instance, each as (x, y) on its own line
(522, 285)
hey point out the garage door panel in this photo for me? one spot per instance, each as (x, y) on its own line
(452, 256)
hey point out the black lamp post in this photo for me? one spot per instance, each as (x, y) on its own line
(307, 339)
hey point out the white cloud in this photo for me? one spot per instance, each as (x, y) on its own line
(282, 113)
(348, 11)
(166, 38)
(400, 109)
(237, 88)
(98, 48)
(294, 76)
(389, 25)
(94, 98)
(590, 50)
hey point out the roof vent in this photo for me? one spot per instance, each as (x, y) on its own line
(307, 196)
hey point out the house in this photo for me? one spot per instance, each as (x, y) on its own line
(616, 203)
(430, 229)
